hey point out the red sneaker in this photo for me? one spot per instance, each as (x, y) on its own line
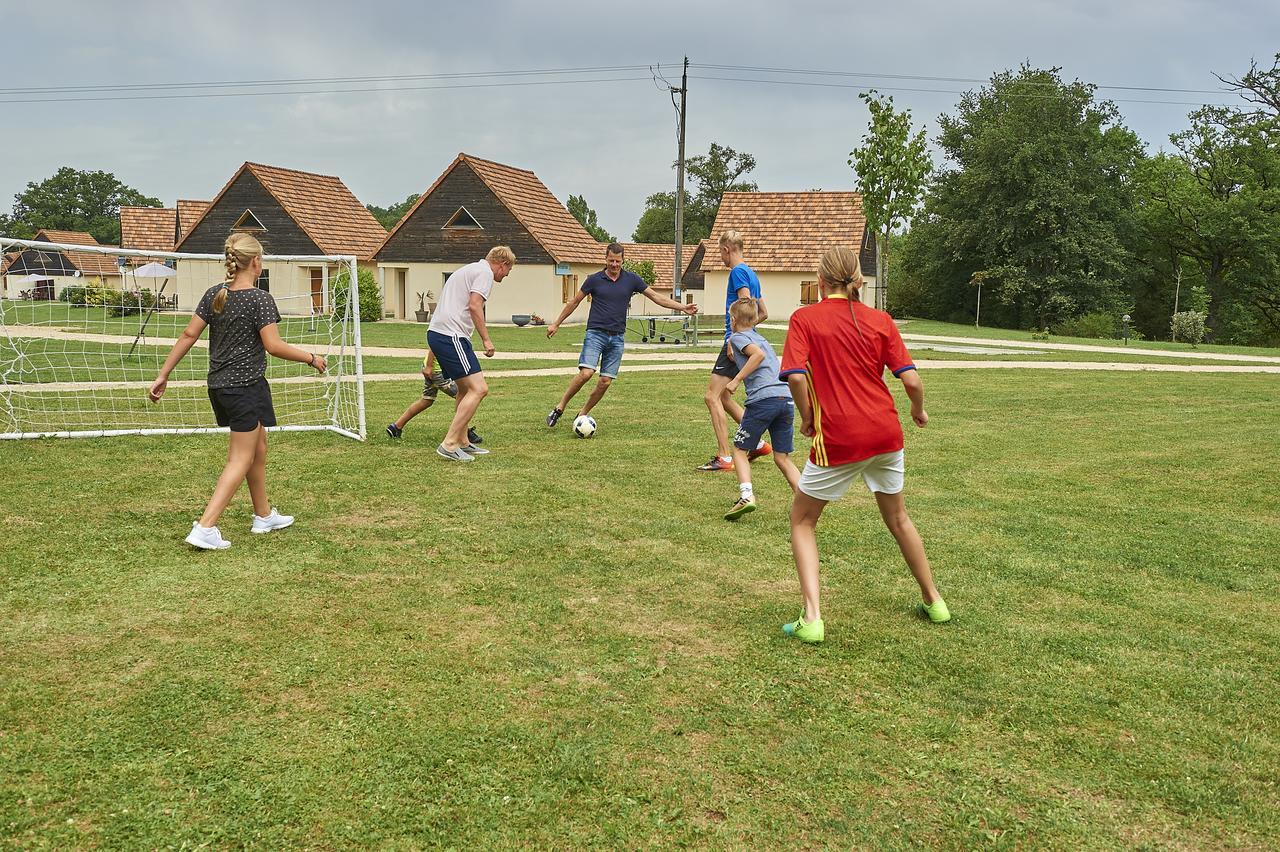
(763, 450)
(716, 463)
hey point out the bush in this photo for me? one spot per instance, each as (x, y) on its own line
(122, 304)
(1039, 335)
(73, 295)
(1188, 326)
(98, 295)
(370, 295)
(643, 268)
(1098, 325)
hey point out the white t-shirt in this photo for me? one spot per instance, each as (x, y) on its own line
(452, 315)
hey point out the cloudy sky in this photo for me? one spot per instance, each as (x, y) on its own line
(606, 134)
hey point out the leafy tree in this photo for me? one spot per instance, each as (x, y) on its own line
(11, 227)
(1031, 203)
(643, 268)
(583, 213)
(75, 200)
(1216, 202)
(1259, 86)
(389, 216)
(710, 176)
(892, 166)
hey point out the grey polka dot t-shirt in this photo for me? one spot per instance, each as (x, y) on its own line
(236, 355)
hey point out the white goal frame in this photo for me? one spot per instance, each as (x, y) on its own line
(355, 379)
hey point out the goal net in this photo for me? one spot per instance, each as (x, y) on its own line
(85, 329)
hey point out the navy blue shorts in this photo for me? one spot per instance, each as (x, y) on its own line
(454, 354)
(244, 408)
(774, 414)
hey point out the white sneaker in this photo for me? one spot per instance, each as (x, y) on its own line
(274, 521)
(453, 455)
(206, 538)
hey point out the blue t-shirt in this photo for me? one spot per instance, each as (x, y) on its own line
(740, 276)
(609, 299)
(764, 383)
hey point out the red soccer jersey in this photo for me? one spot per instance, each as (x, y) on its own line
(853, 411)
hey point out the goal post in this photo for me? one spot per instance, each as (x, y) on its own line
(85, 329)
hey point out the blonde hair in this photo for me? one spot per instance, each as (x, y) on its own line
(839, 268)
(238, 253)
(732, 238)
(743, 313)
(501, 254)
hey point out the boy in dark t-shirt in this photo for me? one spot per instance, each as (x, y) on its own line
(610, 290)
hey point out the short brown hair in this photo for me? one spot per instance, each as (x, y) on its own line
(615, 248)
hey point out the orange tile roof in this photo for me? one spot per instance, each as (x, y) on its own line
(86, 262)
(533, 205)
(323, 207)
(148, 228)
(663, 258)
(189, 212)
(549, 221)
(788, 231)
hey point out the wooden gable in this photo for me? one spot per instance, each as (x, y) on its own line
(282, 235)
(423, 237)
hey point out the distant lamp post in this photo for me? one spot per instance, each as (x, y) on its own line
(1124, 328)
(977, 314)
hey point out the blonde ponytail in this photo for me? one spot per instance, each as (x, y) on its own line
(840, 269)
(238, 253)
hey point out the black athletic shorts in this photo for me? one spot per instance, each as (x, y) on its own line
(243, 408)
(725, 366)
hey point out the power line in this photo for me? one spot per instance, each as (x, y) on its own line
(292, 81)
(938, 91)
(931, 79)
(374, 90)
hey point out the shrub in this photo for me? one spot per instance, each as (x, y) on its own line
(370, 295)
(1188, 326)
(73, 295)
(643, 268)
(98, 295)
(1039, 335)
(122, 304)
(1099, 325)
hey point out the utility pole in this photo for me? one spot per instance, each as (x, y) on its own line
(683, 91)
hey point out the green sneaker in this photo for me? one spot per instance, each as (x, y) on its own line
(740, 508)
(812, 632)
(937, 611)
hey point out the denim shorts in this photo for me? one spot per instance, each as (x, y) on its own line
(776, 414)
(600, 347)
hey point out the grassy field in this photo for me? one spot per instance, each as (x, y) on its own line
(562, 644)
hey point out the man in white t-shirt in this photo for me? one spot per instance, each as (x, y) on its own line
(459, 312)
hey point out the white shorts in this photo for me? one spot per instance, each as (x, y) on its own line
(882, 473)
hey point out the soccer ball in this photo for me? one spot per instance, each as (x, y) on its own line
(584, 426)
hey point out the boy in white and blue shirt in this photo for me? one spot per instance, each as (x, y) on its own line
(769, 405)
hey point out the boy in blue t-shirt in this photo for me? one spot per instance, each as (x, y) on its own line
(769, 406)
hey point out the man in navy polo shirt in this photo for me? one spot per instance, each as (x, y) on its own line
(610, 290)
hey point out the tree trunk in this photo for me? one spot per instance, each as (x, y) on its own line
(882, 271)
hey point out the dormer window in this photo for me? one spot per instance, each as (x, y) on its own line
(248, 222)
(462, 221)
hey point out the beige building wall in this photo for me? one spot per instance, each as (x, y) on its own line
(290, 284)
(780, 290)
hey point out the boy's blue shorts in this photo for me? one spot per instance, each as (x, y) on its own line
(775, 415)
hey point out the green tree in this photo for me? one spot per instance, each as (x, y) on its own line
(892, 166)
(583, 213)
(390, 216)
(73, 200)
(709, 177)
(1216, 202)
(643, 268)
(1031, 202)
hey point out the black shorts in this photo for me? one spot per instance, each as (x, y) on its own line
(725, 366)
(243, 408)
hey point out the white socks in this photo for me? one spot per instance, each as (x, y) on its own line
(745, 492)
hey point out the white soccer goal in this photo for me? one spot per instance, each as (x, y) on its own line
(84, 330)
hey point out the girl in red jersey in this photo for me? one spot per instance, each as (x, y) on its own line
(834, 360)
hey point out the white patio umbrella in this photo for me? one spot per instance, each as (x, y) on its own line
(33, 278)
(154, 270)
